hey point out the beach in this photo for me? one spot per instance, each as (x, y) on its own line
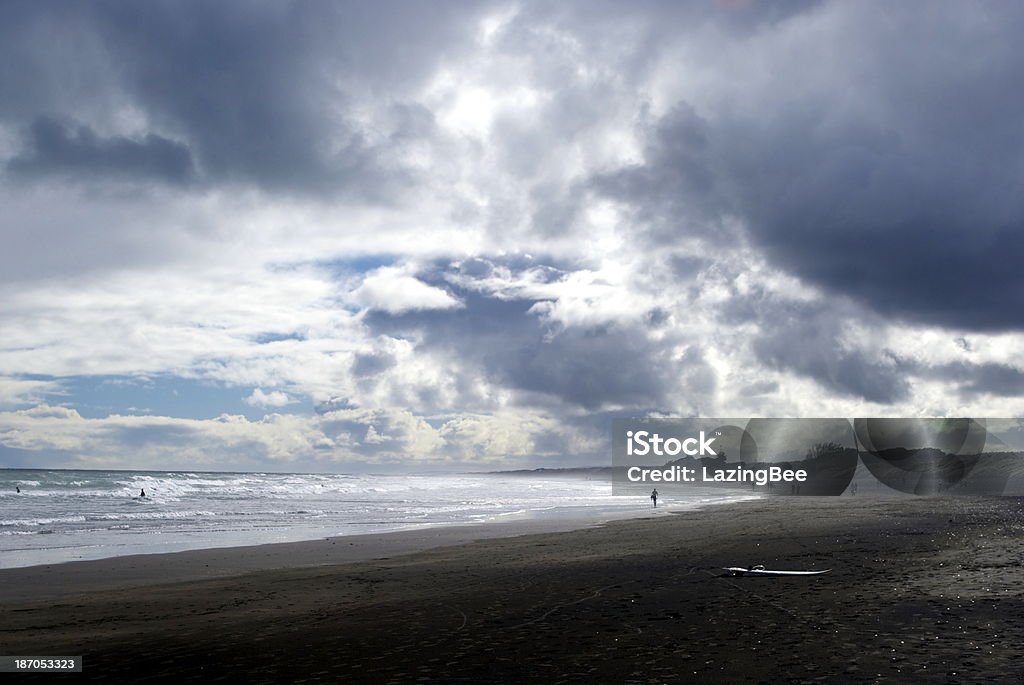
(51, 516)
(923, 589)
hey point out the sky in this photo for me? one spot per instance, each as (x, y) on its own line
(385, 236)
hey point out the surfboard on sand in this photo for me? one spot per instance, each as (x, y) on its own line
(762, 571)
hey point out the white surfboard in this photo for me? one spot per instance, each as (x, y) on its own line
(762, 571)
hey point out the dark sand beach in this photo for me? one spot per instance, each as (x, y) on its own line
(926, 589)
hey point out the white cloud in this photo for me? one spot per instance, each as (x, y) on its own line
(286, 442)
(20, 391)
(392, 290)
(274, 398)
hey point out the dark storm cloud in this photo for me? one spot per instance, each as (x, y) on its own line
(598, 23)
(996, 379)
(64, 149)
(806, 339)
(589, 367)
(367, 369)
(258, 91)
(884, 161)
(875, 150)
(676, 188)
(369, 365)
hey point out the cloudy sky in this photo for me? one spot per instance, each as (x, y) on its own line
(385, 235)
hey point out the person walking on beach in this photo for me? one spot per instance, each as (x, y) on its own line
(654, 497)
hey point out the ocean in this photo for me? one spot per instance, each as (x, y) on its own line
(62, 515)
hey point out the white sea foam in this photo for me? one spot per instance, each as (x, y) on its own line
(66, 515)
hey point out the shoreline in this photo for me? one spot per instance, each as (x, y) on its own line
(63, 520)
(929, 589)
(51, 580)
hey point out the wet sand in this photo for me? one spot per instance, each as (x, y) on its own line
(922, 589)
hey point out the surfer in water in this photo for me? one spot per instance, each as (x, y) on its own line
(654, 497)
(17, 489)
(142, 492)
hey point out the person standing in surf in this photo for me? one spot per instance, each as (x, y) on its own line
(654, 497)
